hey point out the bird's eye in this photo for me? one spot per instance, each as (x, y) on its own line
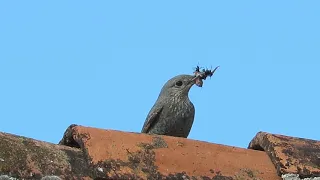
(179, 83)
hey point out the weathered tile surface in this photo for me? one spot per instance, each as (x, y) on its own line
(26, 158)
(290, 155)
(122, 155)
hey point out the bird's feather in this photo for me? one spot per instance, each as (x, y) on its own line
(152, 119)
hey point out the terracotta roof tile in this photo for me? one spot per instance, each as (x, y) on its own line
(91, 153)
(122, 155)
(26, 158)
(290, 155)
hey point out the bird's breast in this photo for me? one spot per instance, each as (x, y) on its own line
(182, 107)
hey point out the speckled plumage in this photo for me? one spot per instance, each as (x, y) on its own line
(173, 112)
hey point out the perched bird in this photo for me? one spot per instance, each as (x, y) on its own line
(173, 112)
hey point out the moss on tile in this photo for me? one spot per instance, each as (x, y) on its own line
(141, 165)
(159, 142)
(28, 158)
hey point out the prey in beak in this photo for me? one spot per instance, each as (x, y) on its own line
(202, 75)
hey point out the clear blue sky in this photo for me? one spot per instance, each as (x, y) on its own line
(102, 64)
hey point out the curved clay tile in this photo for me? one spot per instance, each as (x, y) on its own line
(290, 155)
(26, 158)
(121, 155)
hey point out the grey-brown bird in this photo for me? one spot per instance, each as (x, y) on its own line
(173, 112)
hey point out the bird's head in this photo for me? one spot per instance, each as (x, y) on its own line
(178, 86)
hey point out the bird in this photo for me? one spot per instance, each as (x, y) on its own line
(173, 112)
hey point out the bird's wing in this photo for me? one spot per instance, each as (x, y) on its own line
(152, 118)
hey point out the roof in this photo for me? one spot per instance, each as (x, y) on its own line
(92, 153)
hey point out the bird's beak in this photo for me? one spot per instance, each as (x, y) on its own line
(192, 81)
(197, 81)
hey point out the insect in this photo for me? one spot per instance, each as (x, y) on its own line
(210, 72)
(204, 73)
(197, 70)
